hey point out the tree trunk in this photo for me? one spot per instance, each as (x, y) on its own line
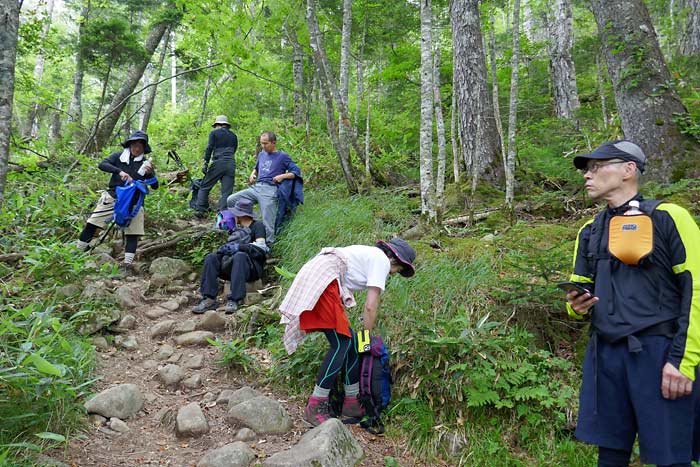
(345, 53)
(477, 126)
(75, 110)
(326, 73)
(104, 131)
(453, 136)
(148, 109)
(561, 32)
(690, 40)
(31, 130)
(298, 75)
(512, 113)
(173, 72)
(427, 187)
(55, 129)
(601, 88)
(367, 138)
(442, 143)
(360, 77)
(494, 85)
(648, 107)
(9, 22)
(326, 83)
(207, 88)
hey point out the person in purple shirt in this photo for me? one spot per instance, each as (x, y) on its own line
(271, 168)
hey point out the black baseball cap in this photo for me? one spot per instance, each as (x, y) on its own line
(623, 149)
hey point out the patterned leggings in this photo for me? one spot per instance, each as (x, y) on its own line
(342, 355)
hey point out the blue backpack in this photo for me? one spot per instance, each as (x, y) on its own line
(130, 198)
(375, 384)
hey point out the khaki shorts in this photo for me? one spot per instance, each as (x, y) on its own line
(105, 210)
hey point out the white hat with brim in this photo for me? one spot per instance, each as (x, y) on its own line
(221, 120)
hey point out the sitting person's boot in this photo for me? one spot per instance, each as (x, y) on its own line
(231, 307)
(352, 407)
(317, 411)
(206, 304)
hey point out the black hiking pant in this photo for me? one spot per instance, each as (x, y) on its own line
(242, 270)
(223, 169)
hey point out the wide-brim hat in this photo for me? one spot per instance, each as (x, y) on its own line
(221, 120)
(404, 253)
(138, 135)
(242, 208)
(625, 150)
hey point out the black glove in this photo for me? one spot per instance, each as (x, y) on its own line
(205, 167)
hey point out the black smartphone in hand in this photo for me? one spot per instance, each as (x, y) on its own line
(569, 286)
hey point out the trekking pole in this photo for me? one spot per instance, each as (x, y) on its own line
(103, 236)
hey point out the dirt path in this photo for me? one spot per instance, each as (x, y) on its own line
(151, 438)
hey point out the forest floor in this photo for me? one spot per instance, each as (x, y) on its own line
(151, 439)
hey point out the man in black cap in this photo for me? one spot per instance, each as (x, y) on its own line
(125, 166)
(640, 262)
(221, 150)
(240, 260)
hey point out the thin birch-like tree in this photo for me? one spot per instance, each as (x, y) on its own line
(440, 127)
(427, 188)
(563, 70)
(9, 24)
(513, 111)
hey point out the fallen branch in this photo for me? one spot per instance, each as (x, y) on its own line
(466, 219)
(11, 257)
(165, 244)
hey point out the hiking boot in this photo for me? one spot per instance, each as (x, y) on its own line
(206, 304)
(352, 407)
(200, 215)
(231, 307)
(317, 411)
(82, 246)
(126, 269)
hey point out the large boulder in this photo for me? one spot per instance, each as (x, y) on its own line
(128, 296)
(168, 269)
(236, 454)
(261, 414)
(122, 401)
(191, 422)
(328, 445)
(194, 338)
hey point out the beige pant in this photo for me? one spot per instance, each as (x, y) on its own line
(105, 210)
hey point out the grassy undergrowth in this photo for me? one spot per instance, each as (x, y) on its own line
(476, 335)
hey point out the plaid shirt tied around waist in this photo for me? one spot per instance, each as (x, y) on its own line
(310, 282)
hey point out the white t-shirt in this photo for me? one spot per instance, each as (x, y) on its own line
(368, 266)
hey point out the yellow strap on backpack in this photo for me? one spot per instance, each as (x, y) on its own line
(631, 238)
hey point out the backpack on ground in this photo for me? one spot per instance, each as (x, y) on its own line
(225, 220)
(130, 198)
(375, 384)
(195, 185)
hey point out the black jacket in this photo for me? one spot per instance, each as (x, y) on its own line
(113, 165)
(222, 143)
(665, 287)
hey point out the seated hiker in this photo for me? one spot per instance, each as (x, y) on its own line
(125, 166)
(316, 301)
(240, 260)
(271, 168)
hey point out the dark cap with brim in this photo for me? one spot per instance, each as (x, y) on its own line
(138, 135)
(404, 253)
(625, 150)
(243, 208)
